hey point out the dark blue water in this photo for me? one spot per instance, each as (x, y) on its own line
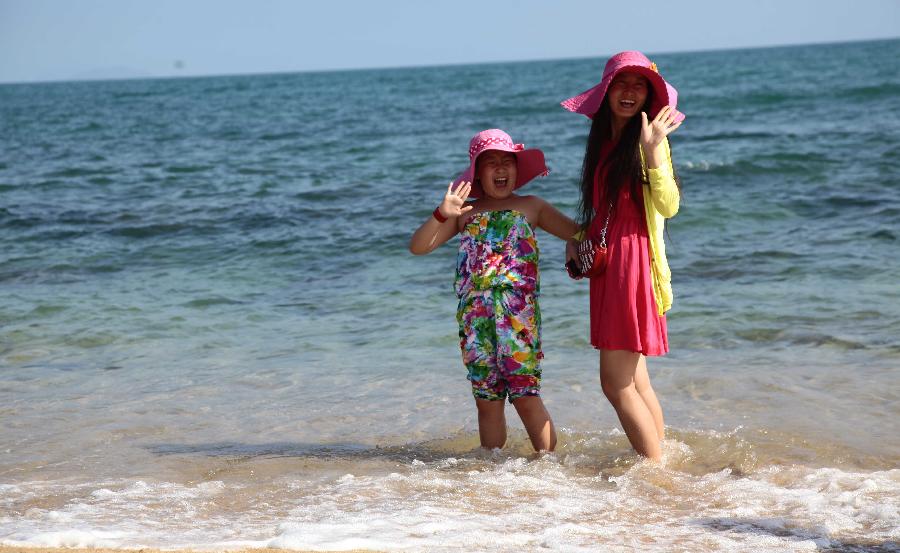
(209, 265)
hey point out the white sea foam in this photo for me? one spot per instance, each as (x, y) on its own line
(703, 165)
(499, 503)
(71, 538)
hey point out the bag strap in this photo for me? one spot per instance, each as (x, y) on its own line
(605, 226)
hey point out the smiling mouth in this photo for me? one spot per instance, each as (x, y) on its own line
(501, 182)
(628, 104)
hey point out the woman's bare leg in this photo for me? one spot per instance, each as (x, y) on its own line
(642, 384)
(617, 378)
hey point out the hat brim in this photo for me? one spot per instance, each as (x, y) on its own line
(529, 164)
(588, 102)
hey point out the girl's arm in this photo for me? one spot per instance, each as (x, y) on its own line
(434, 232)
(553, 221)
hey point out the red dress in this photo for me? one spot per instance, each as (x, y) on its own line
(623, 309)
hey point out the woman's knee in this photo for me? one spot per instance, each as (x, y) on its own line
(615, 388)
(616, 382)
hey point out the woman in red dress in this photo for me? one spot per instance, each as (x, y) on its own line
(628, 189)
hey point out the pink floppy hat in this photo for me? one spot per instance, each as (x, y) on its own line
(529, 163)
(664, 94)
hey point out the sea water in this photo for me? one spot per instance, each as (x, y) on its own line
(212, 332)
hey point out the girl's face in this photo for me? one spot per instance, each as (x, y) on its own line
(496, 171)
(627, 94)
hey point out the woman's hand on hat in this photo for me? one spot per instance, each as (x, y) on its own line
(653, 132)
(455, 200)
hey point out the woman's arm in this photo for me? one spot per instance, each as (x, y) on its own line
(433, 232)
(657, 160)
(663, 190)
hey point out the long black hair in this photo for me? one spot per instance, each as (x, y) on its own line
(623, 163)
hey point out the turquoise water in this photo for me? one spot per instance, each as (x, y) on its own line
(209, 311)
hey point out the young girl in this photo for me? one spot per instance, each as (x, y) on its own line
(497, 281)
(628, 189)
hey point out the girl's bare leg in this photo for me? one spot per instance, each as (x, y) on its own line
(617, 378)
(491, 423)
(642, 384)
(537, 422)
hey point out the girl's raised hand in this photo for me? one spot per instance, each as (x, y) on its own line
(454, 202)
(653, 132)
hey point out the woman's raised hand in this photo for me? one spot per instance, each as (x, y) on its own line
(653, 132)
(454, 202)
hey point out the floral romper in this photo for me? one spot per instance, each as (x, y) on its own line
(497, 283)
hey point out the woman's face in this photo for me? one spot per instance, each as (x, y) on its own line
(496, 171)
(627, 94)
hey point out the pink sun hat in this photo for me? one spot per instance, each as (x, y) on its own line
(529, 163)
(664, 94)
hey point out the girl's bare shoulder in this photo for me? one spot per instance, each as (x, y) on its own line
(530, 205)
(531, 202)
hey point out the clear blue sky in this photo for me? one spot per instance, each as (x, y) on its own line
(60, 39)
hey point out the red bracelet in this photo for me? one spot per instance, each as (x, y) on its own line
(438, 216)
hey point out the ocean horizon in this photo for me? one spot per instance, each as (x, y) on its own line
(133, 74)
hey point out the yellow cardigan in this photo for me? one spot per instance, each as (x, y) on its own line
(663, 203)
